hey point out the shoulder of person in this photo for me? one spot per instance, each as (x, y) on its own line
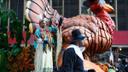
(70, 50)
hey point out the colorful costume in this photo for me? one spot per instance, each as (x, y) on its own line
(43, 55)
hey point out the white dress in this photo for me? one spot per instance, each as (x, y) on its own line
(43, 59)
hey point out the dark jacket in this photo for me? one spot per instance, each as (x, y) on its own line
(71, 62)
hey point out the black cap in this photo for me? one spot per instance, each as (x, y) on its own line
(76, 35)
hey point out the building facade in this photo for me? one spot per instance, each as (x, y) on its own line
(70, 8)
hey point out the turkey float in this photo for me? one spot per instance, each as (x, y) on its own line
(97, 28)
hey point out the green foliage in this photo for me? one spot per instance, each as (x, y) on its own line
(15, 26)
(16, 31)
(15, 50)
(3, 61)
(3, 40)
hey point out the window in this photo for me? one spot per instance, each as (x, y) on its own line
(67, 8)
(71, 8)
(122, 14)
(57, 4)
(84, 9)
(18, 6)
(3, 4)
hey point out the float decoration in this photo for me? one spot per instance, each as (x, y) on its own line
(98, 29)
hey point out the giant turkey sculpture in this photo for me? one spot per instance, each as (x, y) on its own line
(98, 29)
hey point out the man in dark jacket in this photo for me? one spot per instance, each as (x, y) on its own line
(72, 57)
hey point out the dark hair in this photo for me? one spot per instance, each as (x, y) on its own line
(75, 42)
(72, 42)
(91, 70)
